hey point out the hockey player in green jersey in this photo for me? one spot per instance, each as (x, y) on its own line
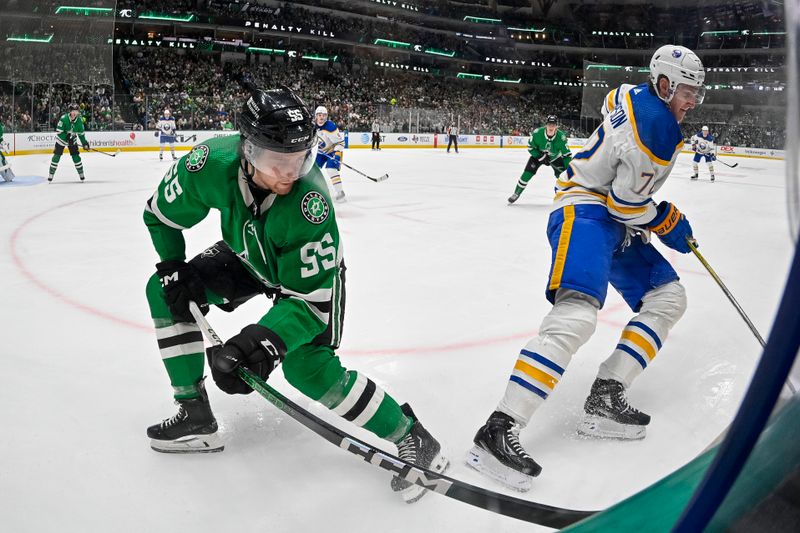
(280, 239)
(547, 146)
(70, 126)
(5, 168)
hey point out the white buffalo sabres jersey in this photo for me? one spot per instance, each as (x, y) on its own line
(703, 144)
(166, 125)
(329, 137)
(627, 159)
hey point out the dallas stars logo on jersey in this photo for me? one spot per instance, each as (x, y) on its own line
(197, 158)
(315, 208)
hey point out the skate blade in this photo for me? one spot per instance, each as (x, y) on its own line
(415, 492)
(189, 444)
(488, 465)
(603, 428)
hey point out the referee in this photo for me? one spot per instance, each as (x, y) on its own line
(376, 135)
(452, 137)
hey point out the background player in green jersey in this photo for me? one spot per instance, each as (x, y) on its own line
(547, 146)
(70, 126)
(5, 168)
(280, 239)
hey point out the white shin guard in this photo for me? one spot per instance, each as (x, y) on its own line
(541, 363)
(644, 335)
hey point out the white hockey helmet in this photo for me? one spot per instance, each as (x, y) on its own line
(321, 110)
(680, 66)
(704, 128)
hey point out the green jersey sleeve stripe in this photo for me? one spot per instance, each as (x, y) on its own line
(322, 316)
(152, 207)
(317, 296)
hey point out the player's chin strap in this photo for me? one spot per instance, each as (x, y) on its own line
(693, 247)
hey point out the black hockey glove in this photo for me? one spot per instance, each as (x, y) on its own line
(256, 347)
(86, 146)
(182, 284)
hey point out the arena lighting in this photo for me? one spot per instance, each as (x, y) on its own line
(482, 20)
(271, 51)
(434, 51)
(742, 32)
(28, 39)
(507, 80)
(392, 44)
(319, 58)
(720, 32)
(533, 30)
(769, 33)
(171, 18)
(604, 67)
(467, 75)
(86, 11)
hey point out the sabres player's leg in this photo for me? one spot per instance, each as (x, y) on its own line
(710, 162)
(531, 167)
(583, 239)
(317, 372)
(333, 170)
(695, 165)
(650, 286)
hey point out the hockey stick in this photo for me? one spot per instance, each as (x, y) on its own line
(696, 252)
(376, 180)
(105, 153)
(726, 164)
(716, 158)
(520, 509)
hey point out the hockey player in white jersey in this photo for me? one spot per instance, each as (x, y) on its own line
(329, 158)
(599, 231)
(704, 148)
(167, 132)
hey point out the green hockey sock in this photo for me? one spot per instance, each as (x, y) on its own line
(358, 399)
(184, 373)
(523, 182)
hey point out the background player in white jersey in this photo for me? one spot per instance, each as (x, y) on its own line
(329, 158)
(167, 132)
(703, 147)
(599, 233)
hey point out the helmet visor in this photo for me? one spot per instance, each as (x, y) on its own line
(281, 165)
(690, 93)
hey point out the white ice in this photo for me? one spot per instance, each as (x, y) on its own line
(445, 284)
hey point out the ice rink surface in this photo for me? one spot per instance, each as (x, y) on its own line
(445, 284)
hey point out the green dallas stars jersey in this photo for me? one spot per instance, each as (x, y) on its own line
(539, 144)
(290, 243)
(66, 129)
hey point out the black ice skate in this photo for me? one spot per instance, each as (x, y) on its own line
(340, 197)
(694, 177)
(608, 415)
(498, 454)
(421, 449)
(513, 198)
(192, 430)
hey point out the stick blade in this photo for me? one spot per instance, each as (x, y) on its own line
(382, 178)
